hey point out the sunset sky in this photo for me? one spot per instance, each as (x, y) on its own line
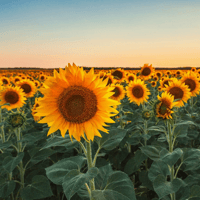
(99, 33)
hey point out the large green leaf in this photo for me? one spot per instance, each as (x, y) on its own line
(158, 167)
(111, 140)
(9, 163)
(134, 163)
(6, 187)
(163, 187)
(118, 187)
(74, 180)
(39, 189)
(60, 141)
(172, 158)
(152, 152)
(57, 171)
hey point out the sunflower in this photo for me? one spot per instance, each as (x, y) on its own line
(130, 77)
(36, 118)
(165, 105)
(12, 95)
(78, 102)
(5, 81)
(190, 79)
(147, 71)
(179, 91)
(137, 92)
(119, 74)
(165, 82)
(119, 92)
(28, 87)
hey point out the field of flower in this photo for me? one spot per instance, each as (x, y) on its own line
(75, 134)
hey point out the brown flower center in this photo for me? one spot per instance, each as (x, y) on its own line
(11, 97)
(77, 104)
(117, 92)
(146, 71)
(137, 91)
(117, 73)
(26, 88)
(176, 92)
(5, 81)
(191, 84)
(130, 78)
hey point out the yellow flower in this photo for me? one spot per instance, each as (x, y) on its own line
(137, 92)
(76, 101)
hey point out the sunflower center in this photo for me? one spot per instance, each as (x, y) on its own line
(118, 74)
(130, 78)
(166, 83)
(191, 84)
(176, 92)
(146, 71)
(117, 92)
(137, 92)
(5, 81)
(11, 97)
(163, 108)
(26, 88)
(77, 104)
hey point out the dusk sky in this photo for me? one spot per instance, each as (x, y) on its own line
(99, 33)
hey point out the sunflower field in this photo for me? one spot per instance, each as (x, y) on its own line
(75, 134)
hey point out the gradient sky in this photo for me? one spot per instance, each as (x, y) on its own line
(99, 33)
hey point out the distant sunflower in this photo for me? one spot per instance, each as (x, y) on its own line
(119, 92)
(130, 77)
(165, 82)
(12, 95)
(78, 102)
(153, 83)
(146, 71)
(190, 79)
(28, 87)
(179, 91)
(164, 107)
(119, 74)
(137, 92)
(5, 81)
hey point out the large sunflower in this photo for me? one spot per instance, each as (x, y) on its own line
(190, 79)
(164, 107)
(12, 95)
(147, 71)
(76, 101)
(179, 91)
(137, 91)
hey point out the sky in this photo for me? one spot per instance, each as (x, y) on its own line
(99, 33)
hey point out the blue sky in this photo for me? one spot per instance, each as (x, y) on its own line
(99, 33)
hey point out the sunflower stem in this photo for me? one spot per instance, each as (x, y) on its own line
(170, 134)
(90, 165)
(21, 169)
(2, 128)
(145, 141)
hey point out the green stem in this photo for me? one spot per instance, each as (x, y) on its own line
(19, 144)
(145, 141)
(90, 165)
(173, 197)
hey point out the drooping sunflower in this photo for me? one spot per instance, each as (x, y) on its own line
(137, 91)
(28, 87)
(164, 107)
(190, 79)
(13, 95)
(146, 71)
(77, 102)
(179, 91)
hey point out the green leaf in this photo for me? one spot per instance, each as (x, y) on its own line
(152, 152)
(60, 141)
(57, 171)
(9, 163)
(172, 158)
(118, 187)
(195, 191)
(5, 144)
(74, 180)
(158, 167)
(6, 187)
(111, 140)
(37, 156)
(163, 187)
(39, 189)
(134, 163)
(144, 179)
(191, 158)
